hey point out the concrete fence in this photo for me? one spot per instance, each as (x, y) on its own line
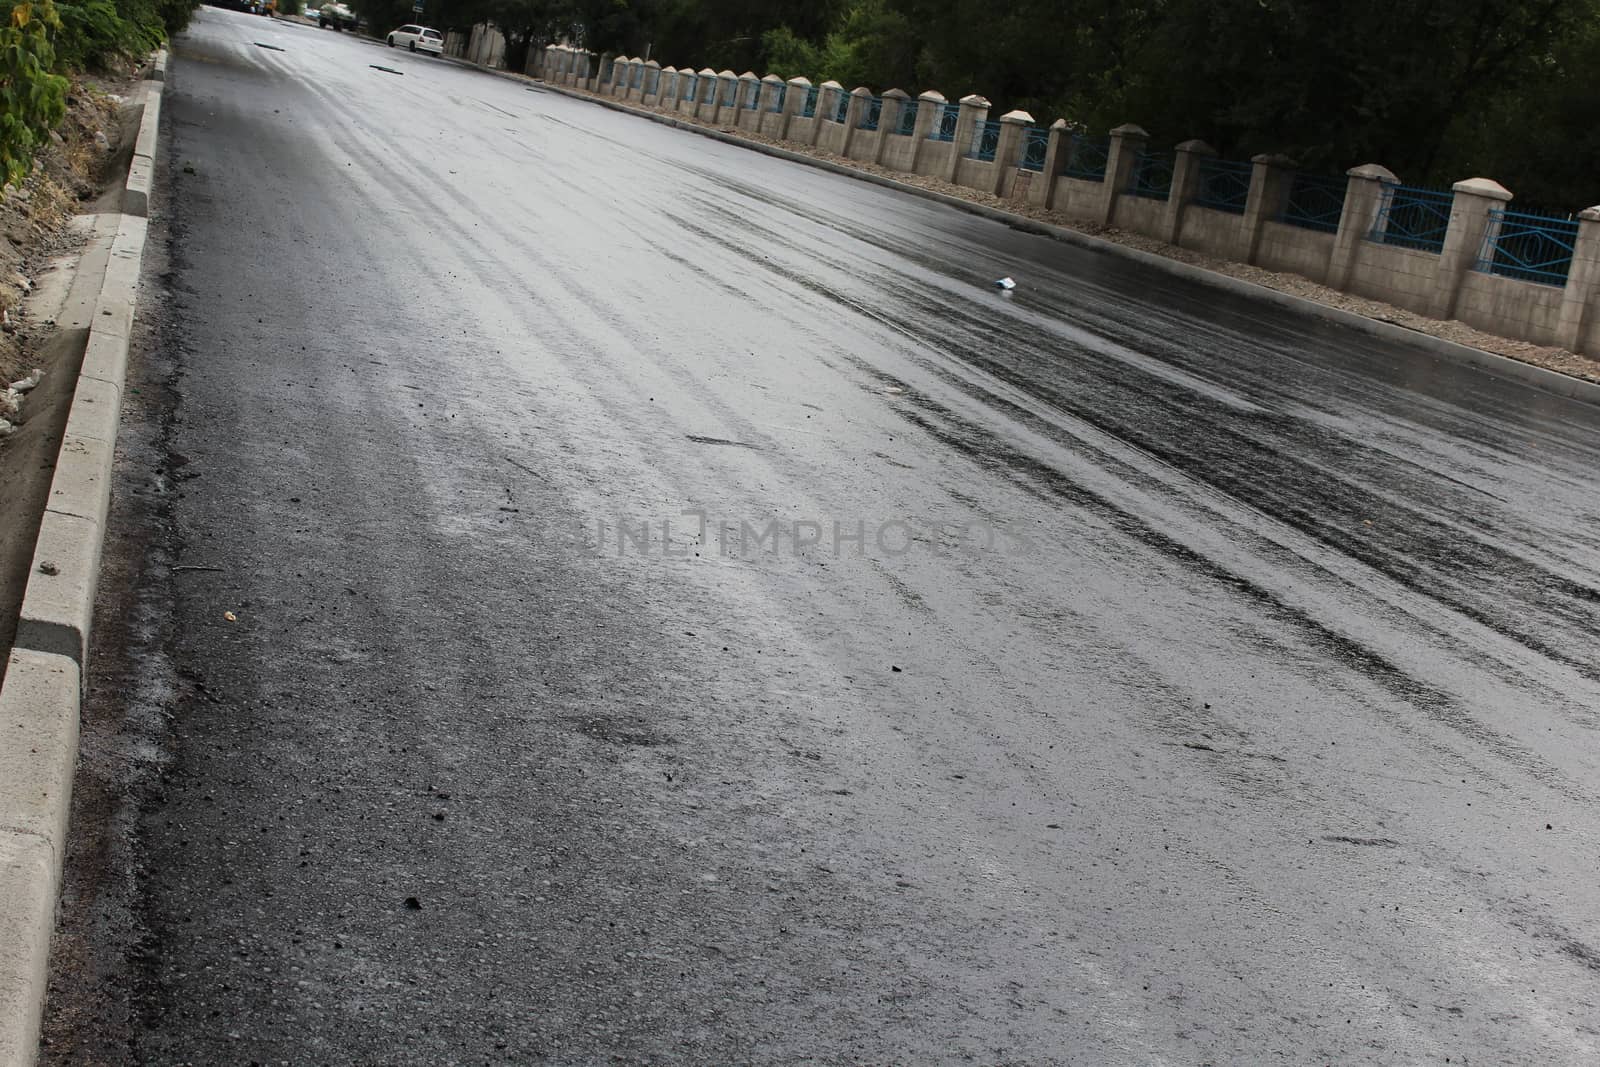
(1458, 253)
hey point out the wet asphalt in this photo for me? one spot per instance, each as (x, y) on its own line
(682, 613)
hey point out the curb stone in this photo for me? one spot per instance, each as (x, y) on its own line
(40, 700)
(1549, 381)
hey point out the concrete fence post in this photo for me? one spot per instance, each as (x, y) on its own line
(856, 111)
(1122, 158)
(652, 82)
(974, 109)
(1270, 178)
(613, 76)
(749, 102)
(1470, 223)
(794, 102)
(726, 107)
(667, 98)
(634, 91)
(1363, 196)
(1187, 160)
(771, 111)
(930, 105)
(608, 67)
(1057, 150)
(709, 88)
(1583, 278)
(827, 106)
(1008, 150)
(894, 104)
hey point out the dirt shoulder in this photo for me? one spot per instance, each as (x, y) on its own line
(80, 172)
(1554, 359)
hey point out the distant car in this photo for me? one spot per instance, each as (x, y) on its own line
(311, 13)
(418, 39)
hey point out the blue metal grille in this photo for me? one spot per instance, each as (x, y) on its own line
(693, 84)
(1534, 248)
(652, 81)
(752, 96)
(985, 141)
(872, 113)
(1315, 203)
(638, 76)
(730, 93)
(779, 97)
(1035, 147)
(1413, 218)
(1087, 158)
(1152, 176)
(1224, 185)
(945, 128)
(811, 103)
(841, 106)
(908, 119)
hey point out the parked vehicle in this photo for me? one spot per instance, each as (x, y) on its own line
(336, 15)
(418, 39)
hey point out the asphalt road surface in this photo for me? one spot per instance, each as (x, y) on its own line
(592, 594)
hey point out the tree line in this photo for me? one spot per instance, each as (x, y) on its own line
(1436, 90)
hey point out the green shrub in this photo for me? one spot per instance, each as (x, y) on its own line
(32, 99)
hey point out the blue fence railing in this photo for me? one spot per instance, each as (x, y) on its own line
(872, 113)
(1533, 248)
(810, 108)
(730, 93)
(1035, 148)
(841, 106)
(944, 129)
(1223, 185)
(1152, 176)
(1411, 217)
(1087, 158)
(779, 97)
(985, 141)
(1314, 202)
(908, 119)
(652, 81)
(752, 96)
(638, 76)
(691, 85)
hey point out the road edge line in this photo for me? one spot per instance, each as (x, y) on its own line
(41, 699)
(1549, 381)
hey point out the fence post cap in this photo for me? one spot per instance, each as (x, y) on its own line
(974, 100)
(1061, 124)
(669, 70)
(1372, 172)
(1272, 159)
(707, 72)
(730, 75)
(896, 94)
(1590, 214)
(831, 84)
(932, 95)
(1128, 131)
(861, 90)
(773, 79)
(1020, 118)
(804, 83)
(749, 75)
(1197, 147)
(652, 63)
(1484, 187)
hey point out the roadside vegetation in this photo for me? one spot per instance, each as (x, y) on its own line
(1508, 89)
(44, 44)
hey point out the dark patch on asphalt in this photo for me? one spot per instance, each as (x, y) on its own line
(1370, 842)
(617, 730)
(702, 440)
(386, 70)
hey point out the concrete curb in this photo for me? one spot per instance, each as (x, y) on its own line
(40, 701)
(1550, 381)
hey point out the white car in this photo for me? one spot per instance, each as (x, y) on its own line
(418, 39)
